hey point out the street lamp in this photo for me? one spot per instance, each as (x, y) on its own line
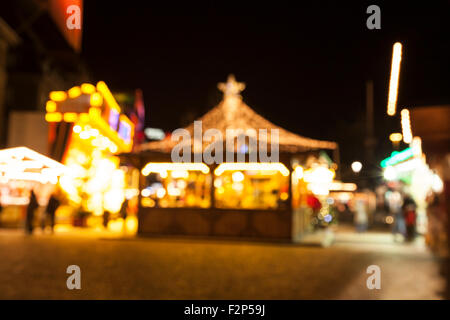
(356, 166)
(395, 138)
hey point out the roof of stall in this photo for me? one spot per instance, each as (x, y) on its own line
(22, 163)
(233, 113)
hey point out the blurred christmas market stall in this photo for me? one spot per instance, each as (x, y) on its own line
(224, 188)
(23, 170)
(87, 130)
(422, 170)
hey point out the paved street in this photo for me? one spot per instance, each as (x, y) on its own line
(161, 268)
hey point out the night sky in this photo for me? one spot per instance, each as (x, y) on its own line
(305, 66)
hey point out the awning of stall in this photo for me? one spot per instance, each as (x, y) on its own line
(233, 113)
(22, 163)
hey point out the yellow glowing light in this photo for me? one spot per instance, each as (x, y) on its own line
(146, 193)
(131, 224)
(113, 148)
(284, 196)
(395, 74)
(87, 88)
(107, 95)
(74, 92)
(95, 112)
(406, 126)
(84, 117)
(94, 132)
(96, 100)
(389, 220)
(396, 137)
(416, 146)
(77, 129)
(437, 185)
(160, 167)
(85, 135)
(147, 202)
(160, 193)
(179, 174)
(181, 184)
(116, 225)
(172, 191)
(163, 174)
(53, 117)
(218, 183)
(237, 176)
(298, 172)
(70, 117)
(58, 95)
(31, 176)
(252, 166)
(341, 186)
(319, 179)
(237, 186)
(221, 190)
(319, 175)
(50, 106)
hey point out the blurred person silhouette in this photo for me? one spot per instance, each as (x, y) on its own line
(124, 209)
(361, 219)
(409, 212)
(32, 206)
(106, 216)
(395, 201)
(52, 206)
(124, 213)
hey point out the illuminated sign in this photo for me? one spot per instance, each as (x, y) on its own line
(154, 133)
(93, 105)
(125, 131)
(397, 157)
(113, 119)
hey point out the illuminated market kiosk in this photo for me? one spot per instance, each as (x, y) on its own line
(407, 170)
(87, 130)
(244, 197)
(21, 170)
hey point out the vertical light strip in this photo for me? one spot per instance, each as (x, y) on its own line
(395, 74)
(406, 126)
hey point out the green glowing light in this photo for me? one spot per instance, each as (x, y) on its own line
(397, 157)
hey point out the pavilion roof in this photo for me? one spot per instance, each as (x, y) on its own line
(233, 113)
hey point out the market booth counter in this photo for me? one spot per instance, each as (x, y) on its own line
(245, 197)
(192, 199)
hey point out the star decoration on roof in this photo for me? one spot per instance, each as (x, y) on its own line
(231, 88)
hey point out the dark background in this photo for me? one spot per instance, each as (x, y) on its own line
(305, 64)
